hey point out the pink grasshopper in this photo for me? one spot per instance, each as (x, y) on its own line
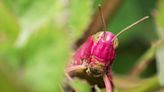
(93, 60)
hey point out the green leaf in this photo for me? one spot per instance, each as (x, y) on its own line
(32, 14)
(160, 63)
(81, 85)
(9, 82)
(80, 16)
(160, 15)
(160, 50)
(45, 39)
(8, 26)
(8, 34)
(46, 56)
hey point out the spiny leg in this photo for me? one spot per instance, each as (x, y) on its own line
(108, 83)
(68, 71)
(74, 68)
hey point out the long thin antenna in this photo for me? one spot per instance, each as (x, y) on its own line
(102, 18)
(130, 26)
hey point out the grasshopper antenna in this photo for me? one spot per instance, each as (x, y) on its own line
(102, 19)
(130, 26)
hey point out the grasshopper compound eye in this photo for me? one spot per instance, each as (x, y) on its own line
(97, 36)
(115, 43)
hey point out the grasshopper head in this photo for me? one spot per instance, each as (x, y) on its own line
(104, 47)
(102, 53)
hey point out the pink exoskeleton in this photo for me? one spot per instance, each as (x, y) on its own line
(93, 60)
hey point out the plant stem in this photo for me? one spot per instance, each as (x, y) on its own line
(145, 59)
(147, 85)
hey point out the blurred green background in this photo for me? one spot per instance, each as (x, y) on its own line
(37, 39)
